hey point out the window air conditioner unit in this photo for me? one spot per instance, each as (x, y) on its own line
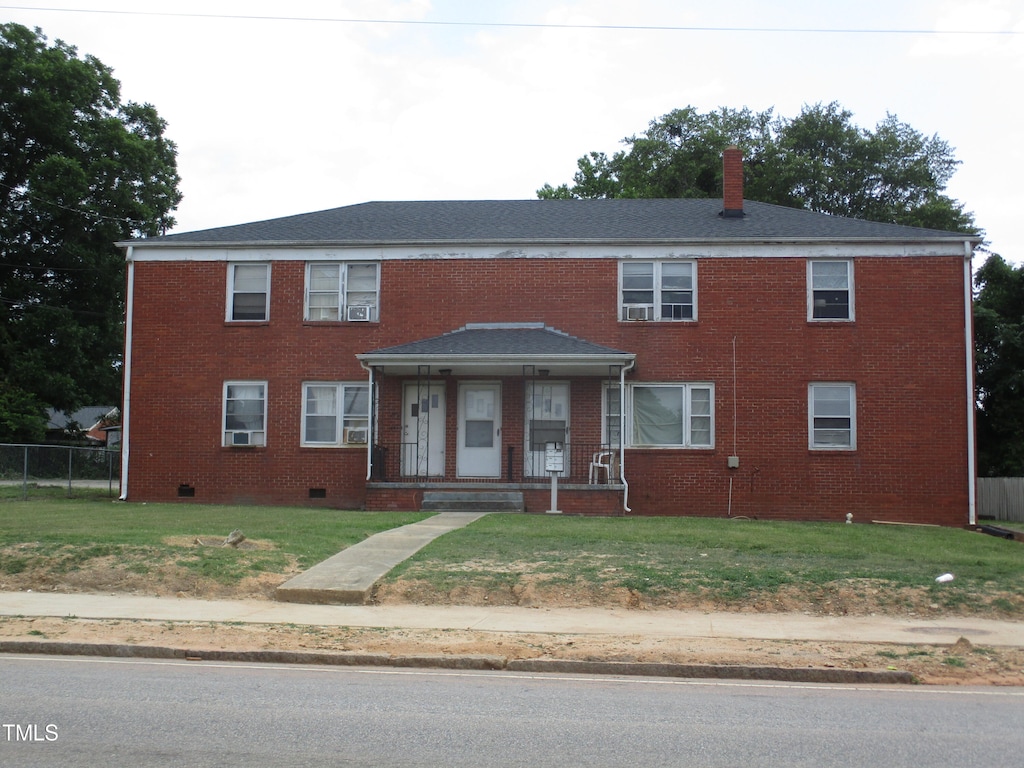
(354, 436)
(639, 312)
(359, 314)
(239, 438)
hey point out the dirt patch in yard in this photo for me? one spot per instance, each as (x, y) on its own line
(851, 597)
(142, 571)
(963, 663)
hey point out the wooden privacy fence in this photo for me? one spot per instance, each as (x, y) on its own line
(1001, 498)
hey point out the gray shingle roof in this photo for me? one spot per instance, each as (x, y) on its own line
(501, 340)
(83, 417)
(546, 221)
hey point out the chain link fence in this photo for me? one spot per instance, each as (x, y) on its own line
(31, 468)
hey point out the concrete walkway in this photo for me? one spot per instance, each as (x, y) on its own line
(348, 577)
(621, 622)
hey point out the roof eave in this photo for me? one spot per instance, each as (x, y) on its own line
(240, 244)
(494, 364)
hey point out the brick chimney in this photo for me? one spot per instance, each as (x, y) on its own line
(732, 182)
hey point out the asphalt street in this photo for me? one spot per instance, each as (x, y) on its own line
(77, 712)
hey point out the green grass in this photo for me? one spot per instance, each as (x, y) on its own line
(66, 533)
(36, 492)
(1009, 524)
(731, 559)
(728, 561)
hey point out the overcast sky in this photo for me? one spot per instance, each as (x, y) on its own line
(490, 99)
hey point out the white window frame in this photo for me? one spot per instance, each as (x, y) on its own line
(689, 418)
(637, 311)
(233, 268)
(343, 292)
(816, 410)
(255, 436)
(611, 423)
(811, 291)
(346, 425)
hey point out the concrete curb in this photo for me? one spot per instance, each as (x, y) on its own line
(470, 662)
(713, 671)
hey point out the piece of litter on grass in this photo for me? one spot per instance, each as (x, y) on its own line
(944, 578)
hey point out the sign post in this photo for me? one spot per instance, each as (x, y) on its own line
(554, 463)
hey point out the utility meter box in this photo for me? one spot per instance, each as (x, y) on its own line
(554, 457)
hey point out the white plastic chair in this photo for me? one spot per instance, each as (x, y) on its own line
(602, 460)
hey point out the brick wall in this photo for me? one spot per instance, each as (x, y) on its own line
(905, 353)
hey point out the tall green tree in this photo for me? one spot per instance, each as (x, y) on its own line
(79, 170)
(999, 364)
(819, 160)
(678, 156)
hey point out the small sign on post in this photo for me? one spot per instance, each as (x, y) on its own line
(554, 464)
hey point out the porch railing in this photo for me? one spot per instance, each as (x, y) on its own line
(583, 463)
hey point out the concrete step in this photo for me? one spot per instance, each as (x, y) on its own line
(473, 501)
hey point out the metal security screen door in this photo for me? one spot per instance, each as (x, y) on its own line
(479, 453)
(423, 430)
(547, 418)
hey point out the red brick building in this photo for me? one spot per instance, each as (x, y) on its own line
(684, 357)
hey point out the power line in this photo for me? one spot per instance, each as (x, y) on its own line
(527, 25)
(133, 223)
(47, 268)
(24, 305)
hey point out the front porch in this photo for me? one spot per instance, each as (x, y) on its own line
(573, 499)
(403, 475)
(498, 408)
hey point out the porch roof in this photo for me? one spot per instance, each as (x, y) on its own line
(506, 349)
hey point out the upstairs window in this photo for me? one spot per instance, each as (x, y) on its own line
(657, 290)
(248, 292)
(830, 294)
(348, 292)
(335, 414)
(832, 417)
(245, 413)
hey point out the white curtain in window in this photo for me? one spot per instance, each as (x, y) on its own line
(244, 407)
(362, 285)
(250, 278)
(324, 291)
(322, 414)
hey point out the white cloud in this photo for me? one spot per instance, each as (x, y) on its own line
(279, 117)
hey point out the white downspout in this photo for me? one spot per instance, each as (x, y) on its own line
(969, 355)
(372, 425)
(126, 395)
(622, 434)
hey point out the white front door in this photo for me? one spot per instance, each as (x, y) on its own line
(423, 430)
(547, 414)
(479, 453)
